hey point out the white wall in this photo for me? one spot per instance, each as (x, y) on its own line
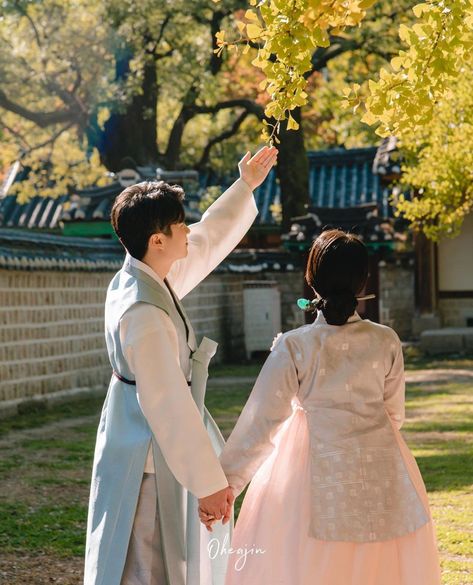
(455, 258)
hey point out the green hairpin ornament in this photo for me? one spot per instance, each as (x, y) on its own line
(307, 305)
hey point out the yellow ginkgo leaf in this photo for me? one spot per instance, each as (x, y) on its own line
(253, 31)
(251, 15)
(292, 124)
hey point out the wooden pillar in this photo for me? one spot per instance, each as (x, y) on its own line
(424, 285)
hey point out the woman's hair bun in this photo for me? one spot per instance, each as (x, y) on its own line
(337, 306)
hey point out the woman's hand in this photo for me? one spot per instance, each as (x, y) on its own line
(255, 170)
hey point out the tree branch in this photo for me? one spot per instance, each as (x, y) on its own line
(321, 56)
(17, 135)
(23, 11)
(41, 119)
(249, 105)
(50, 141)
(220, 138)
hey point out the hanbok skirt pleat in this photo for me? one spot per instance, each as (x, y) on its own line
(271, 543)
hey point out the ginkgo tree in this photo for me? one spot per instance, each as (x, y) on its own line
(420, 95)
(287, 34)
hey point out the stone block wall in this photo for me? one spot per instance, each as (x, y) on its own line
(455, 312)
(396, 297)
(51, 332)
(216, 309)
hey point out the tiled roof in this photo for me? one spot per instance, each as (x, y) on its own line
(25, 250)
(338, 178)
(363, 220)
(93, 204)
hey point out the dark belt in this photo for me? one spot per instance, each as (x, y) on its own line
(133, 382)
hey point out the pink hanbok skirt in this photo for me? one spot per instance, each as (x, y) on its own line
(271, 543)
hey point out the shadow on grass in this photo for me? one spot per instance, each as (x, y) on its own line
(447, 471)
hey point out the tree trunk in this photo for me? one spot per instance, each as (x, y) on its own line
(293, 171)
(133, 133)
(173, 150)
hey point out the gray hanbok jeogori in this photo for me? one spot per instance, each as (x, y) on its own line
(185, 441)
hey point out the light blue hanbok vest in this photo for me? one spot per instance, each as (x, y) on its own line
(123, 439)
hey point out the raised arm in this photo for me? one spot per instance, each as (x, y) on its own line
(223, 225)
(150, 346)
(394, 384)
(268, 406)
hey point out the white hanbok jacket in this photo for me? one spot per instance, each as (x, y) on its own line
(349, 381)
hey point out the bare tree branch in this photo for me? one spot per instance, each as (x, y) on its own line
(220, 138)
(21, 139)
(41, 119)
(49, 142)
(249, 105)
(24, 12)
(321, 56)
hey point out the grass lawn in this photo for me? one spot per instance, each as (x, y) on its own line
(46, 457)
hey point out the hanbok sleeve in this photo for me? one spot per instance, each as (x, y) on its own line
(210, 240)
(150, 346)
(269, 405)
(394, 384)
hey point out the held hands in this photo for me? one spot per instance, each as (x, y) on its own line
(215, 507)
(255, 170)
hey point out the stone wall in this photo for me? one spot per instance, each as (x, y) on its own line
(52, 332)
(51, 323)
(396, 296)
(215, 308)
(455, 312)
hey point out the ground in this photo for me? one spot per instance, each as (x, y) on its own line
(46, 456)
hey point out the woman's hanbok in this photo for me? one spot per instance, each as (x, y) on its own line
(336, 497)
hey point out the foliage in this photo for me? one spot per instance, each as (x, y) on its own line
(438, 51)
(287, 33)
(210, 195)
(424, 99)
(439, 162)
(51, 76)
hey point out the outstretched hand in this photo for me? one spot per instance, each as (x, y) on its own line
(255, 170)
(216, 507)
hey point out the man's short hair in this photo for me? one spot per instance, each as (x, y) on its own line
(144, 209)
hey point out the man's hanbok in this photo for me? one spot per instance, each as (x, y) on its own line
(156, 449)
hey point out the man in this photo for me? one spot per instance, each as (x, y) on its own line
(156, 444)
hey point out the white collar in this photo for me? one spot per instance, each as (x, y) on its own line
(320, 319)
(130, 260)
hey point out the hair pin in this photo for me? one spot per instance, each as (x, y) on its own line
(307, 305)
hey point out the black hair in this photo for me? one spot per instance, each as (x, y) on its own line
(144, 209)
(337, 269)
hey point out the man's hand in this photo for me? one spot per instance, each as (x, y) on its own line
(255, 170)
(215, 507)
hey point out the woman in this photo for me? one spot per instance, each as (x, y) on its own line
(336, 497)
